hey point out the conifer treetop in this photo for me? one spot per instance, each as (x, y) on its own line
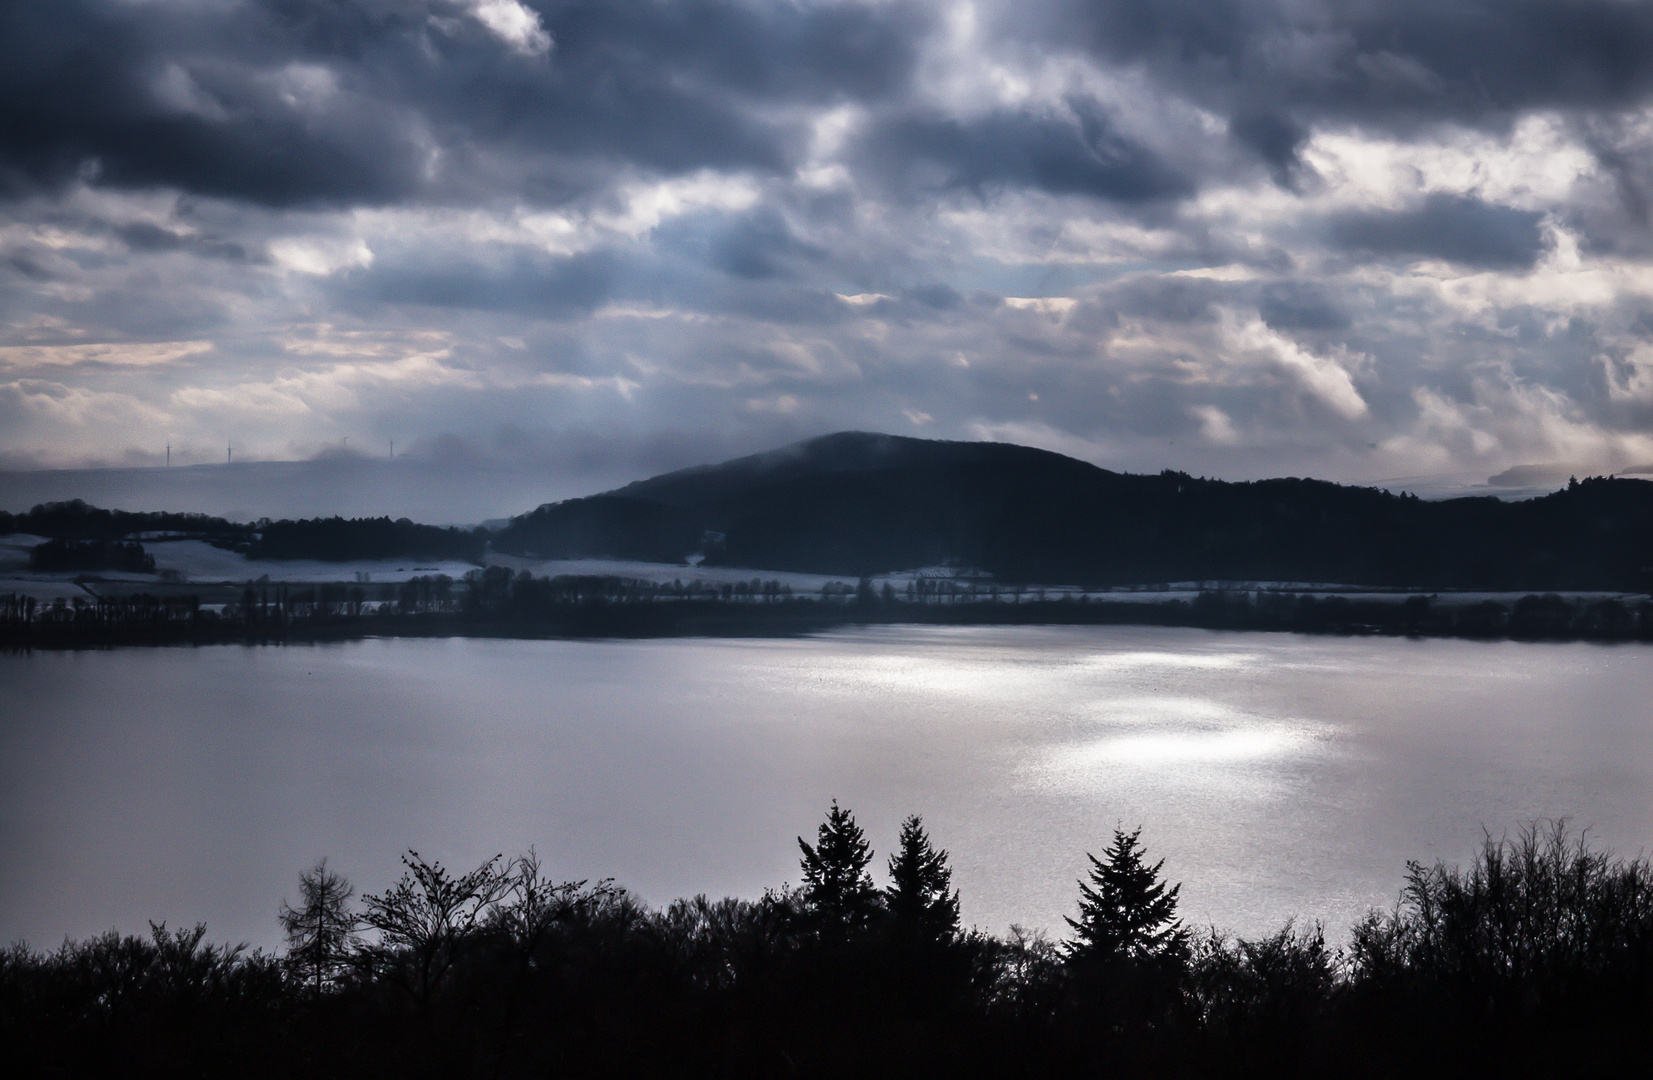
(920, 896)
(1126, 910)
(838, 890)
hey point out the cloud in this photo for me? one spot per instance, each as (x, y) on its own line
(1236, 236)
(373, 102)
(1394, 63)
(514, 24)
(544, 285)
(1076, 150)
(1326, 378)
(1453, 228)
(17, 358)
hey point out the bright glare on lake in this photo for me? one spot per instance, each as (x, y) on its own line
(1277, 775)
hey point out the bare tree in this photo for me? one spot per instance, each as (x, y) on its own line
(321, 930)
(428, 918)
(530, 904)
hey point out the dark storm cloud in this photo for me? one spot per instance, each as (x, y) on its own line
(794, 52)
(1463, 57)
(1272, 137)
(374, 102)
(1273, 66)
(1080, 152)
(283, 102)
(1454, 228)
(141, 96)
(761, 245)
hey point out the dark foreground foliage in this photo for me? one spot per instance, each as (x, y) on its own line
(1537, 960)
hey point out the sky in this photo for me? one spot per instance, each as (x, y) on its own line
(596, 240)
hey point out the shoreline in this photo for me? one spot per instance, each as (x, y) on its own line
(143, 620)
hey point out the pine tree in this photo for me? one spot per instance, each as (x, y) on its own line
(319, 931)
(838, 890)
(919, 896)
(1126, 912)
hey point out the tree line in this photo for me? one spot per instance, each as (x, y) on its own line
(1536, 959)
(498, 601)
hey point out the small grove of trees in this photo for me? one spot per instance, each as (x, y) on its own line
(57, 556)
(839, 896)
(423, 925)
(339, 539)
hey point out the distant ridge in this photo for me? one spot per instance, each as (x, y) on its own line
(856, 503)
(840, 453)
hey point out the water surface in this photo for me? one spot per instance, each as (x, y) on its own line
(1276, 775)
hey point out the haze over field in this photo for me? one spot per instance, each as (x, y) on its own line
(584, 241)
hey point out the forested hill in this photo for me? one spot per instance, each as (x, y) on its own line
(324, 539)
(856, 503)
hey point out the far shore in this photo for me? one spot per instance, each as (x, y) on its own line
(502, 605)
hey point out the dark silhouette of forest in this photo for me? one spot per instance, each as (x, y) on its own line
(499, 602)
(339, 539)
(75, 520)
(857, 504)
(332, 539)
(1535, 960)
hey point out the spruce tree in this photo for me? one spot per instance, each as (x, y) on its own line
(1126, 912)
(919, 897)
(838, 890)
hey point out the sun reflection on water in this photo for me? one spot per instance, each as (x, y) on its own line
(1179, 747)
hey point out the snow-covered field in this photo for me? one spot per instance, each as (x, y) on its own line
(14, 551)
(666, 573)
(44, 591)
(197, 560)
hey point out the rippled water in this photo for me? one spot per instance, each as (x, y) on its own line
(1276, 775)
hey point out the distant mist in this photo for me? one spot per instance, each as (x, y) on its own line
(438, 494)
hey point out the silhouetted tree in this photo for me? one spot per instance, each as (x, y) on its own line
(920, 897)
(428, 918)
(320, 930)
(838, 892)
(1126, 912)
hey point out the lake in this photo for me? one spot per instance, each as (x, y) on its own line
(1276, 775)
